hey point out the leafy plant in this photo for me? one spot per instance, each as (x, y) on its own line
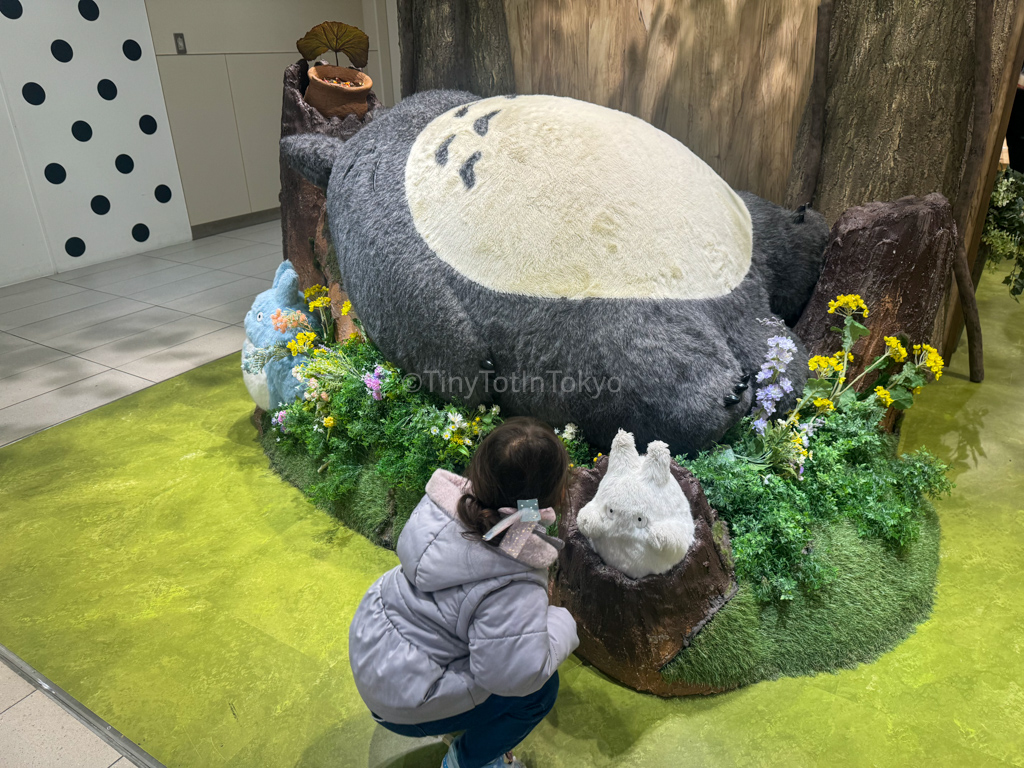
(337, 37)
(827, 460)
(1004, 227)
(855, 475)
(359, 411)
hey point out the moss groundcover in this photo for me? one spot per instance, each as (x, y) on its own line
(873, 597)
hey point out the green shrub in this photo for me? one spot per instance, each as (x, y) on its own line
(1004, 227)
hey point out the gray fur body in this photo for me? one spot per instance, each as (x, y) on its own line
(661, 369)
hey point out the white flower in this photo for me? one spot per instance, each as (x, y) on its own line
(495, 410)
(434, 430)
(481, 408)
(570, 431)
(447, 435)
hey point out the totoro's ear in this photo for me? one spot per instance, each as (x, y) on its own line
(655, 468)
(623, 454)
(286, 284)
(282, 269)
(312, 155)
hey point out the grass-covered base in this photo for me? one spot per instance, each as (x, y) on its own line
(372, 508)
(876, 600)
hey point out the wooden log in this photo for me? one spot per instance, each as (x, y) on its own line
(301, 202)
(326, 260)
(974, 171)
(631, 628)
(898, 257)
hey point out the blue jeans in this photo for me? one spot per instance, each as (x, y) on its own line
(492, 728)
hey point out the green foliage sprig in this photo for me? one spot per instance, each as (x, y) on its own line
(1004, 228)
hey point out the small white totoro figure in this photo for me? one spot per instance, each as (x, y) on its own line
(639, 521)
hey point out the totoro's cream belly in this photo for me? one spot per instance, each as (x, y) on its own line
(553, 197)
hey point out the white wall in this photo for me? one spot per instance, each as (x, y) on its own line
(41, 220)
(23, 250)
(224, 96)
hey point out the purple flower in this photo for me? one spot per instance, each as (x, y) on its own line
(786, 384)
(278, 420)
(760, 425)
(373, 382)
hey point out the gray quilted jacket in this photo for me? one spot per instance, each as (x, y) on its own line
(457, 621)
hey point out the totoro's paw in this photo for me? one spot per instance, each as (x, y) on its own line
(732, 398)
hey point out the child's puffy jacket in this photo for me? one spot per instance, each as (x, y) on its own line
(457, 621)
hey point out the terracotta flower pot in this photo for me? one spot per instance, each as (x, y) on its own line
(335, 100)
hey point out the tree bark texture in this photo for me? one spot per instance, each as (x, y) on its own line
(631, 628)
(898, 257)
(456, 44)
(301, 202)
(803, 187)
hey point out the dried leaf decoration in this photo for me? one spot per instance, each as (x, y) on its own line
(337, 37)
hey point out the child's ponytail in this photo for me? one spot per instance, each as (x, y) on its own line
(521, 459)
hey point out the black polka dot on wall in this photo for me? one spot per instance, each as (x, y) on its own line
(124, 163)
(55, 173)
(81, 130)
(162, 194)
(100, 205)
(33, 93)
(140, 232)
(74, 246)
(11, 9)
(106, 89)
(61, 51)
(147, 124)
(89, 10)
(132, 50)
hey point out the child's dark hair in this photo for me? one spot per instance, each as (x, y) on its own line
(521, 459)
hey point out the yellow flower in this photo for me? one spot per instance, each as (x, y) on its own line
(314, 290)
(895, 349)
(822, 363)
(293, 348)
(354, 335)
(329, 422)
(932, 360)
(323, 301)
(917, 390)
(824, 402)
(346, 307)
(848, 304)
(884, 396)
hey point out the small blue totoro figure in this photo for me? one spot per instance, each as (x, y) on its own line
(274, 386)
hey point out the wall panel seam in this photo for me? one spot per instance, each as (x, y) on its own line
(238, 133)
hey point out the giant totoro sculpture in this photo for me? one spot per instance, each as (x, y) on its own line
(639, 521)
(562, 260)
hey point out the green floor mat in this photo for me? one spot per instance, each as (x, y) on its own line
(154, 566)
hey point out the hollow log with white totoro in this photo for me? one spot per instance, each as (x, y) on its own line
(646, 564)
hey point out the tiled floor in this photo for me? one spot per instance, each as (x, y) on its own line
(36, 732)
(78, 340)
